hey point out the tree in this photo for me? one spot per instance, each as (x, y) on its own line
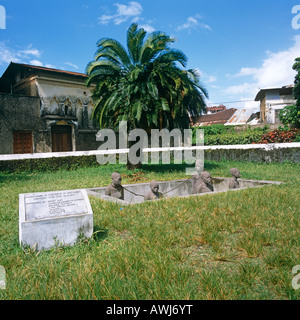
(291, 114)
(296, 67)
(147, 85)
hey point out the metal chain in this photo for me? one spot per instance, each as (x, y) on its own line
(175, 187)
(140, 195)
(136, 194)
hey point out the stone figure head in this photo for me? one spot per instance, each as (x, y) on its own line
(206, 177)
(195, 176)
(235, 172)
(116, 179)
(154, 186)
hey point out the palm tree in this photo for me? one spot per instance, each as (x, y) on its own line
(147, 85)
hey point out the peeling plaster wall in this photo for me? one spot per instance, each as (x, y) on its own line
(20, 113)
(65, 98)
(23, 113)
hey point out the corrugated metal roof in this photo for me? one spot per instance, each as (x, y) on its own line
(241, 116)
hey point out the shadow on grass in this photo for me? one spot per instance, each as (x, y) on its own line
(9, 177)
(161, 168)
(99, 234)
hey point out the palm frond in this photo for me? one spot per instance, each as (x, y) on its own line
(135, 39)
(116, 47)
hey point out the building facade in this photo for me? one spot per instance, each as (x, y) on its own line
(45, 110)
(272, 101)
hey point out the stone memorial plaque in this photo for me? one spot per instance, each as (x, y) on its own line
(49, 217)
(54, 204)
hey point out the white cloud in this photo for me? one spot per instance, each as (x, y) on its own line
(206, 78)
(124, 12)
(71, 65)
(31, 52)
(28, 55)
(39, 63)
(276, 71)
(247, 72)
(133, 9)
(7, 54)
(51, 66)
(193, 23)
(147, 28)
(210, 79)
(36, 63)
(190, 23)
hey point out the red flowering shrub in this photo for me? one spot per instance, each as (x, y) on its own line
(279, 136)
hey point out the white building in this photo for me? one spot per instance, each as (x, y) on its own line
(272, 101)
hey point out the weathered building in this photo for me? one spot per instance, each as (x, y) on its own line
(215, 109)
(220, 117)
(272, 101)
(45, 110)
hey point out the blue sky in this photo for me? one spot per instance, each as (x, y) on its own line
(238, 46)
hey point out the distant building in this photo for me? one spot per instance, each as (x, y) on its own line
(215, 109)
(45, 110)
(272, 101)
(220, 117)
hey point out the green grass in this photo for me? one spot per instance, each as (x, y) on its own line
(235, 245)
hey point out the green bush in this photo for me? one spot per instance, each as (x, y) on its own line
(219, 134)
(215, 129)
(246, 137)
(290, 115)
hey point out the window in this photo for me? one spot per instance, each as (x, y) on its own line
(23, 142)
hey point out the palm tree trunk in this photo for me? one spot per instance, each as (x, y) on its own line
(160, 121)
(131, 166)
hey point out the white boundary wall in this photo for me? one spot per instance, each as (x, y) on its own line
(265, 147)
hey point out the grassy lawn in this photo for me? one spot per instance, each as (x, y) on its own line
(235, 245)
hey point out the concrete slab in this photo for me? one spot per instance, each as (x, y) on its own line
(134, 193)
(50, 218)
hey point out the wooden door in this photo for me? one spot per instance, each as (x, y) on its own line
(23, 142)
(61, 138)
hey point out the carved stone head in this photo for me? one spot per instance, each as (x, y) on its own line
(154, 186)
(235, 172)
(206, 177)
(116, 179)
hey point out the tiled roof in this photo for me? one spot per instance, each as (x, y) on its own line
(216, 108)
(38, 68)
(215, 118)
(51, 69)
